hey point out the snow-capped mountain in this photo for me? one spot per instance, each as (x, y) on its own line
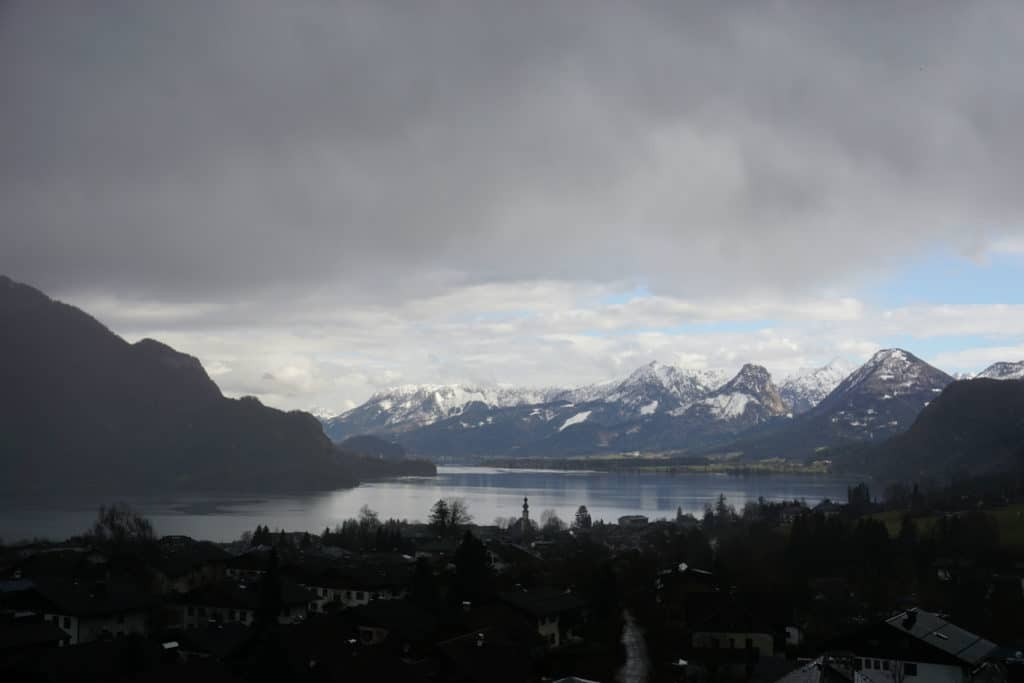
(806, 388)
(751, 394)
(651, 388)
(411, 406)
(1003, 370)
(884, 395)
(879, 399)
(659, 407)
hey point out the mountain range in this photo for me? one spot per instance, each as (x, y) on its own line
(665, 408)
(81, 408)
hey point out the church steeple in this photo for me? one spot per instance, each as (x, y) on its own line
(524, 523)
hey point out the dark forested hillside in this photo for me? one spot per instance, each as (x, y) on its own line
(81, 408)
(974, 427)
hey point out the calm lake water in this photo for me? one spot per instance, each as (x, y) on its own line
(489, 493)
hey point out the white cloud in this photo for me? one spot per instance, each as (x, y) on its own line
(540, 333)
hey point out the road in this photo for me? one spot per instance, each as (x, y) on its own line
(637, 664)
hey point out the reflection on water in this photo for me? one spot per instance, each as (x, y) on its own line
(489, 492)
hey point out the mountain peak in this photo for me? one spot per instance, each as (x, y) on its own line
(1003, 370)
(807, 387)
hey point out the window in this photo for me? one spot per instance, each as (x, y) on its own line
(234, 615)
(885, 665)
(191, 611)
(551, 638)
(732, 643)
(120, 618)
(67, 622)
(750, 644)
(858, 664)
(909, 668)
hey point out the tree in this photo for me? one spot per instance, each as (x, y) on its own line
(582, 520)
(472, 569)
(120, 528)
(550, 522)
(368, 518)
(448, 514)
(439, 516)
(423, 587)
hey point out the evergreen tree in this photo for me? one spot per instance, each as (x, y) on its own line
(473, 576)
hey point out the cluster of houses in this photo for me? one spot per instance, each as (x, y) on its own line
(352, 616)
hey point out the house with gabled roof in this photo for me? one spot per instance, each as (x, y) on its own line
(916, 645)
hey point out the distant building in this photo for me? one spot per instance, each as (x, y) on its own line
(185, 564)
(828, 508)
(633, 521)
(916, 646)
(554, 612)
(93, 610)
(248, 566)
(355, 586)
(238, 602)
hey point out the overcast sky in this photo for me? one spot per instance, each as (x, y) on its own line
(320, 199)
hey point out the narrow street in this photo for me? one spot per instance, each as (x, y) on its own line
(636, 666)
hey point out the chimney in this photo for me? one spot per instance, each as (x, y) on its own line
(910, 619)
(480, 639)
(466, 605)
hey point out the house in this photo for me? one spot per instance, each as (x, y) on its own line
(20, 638)
(828, 508)
(915, 645)
(354, 586)
(485, 656)
(790, 512)
(633, 521)
(554, 612)
(825, 669)
(731, 627)
(248, 566)
(676, 586)
(185, 565)
(399, 622)
(238, 602)
(93, 610)
(214, 641)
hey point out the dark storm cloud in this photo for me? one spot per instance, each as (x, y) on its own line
(209, 150)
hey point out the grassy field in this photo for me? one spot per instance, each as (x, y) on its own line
(1009, 518)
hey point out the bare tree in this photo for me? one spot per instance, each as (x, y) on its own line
(550, 521)
(368, 517)
(118, 527)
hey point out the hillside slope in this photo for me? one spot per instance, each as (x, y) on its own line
(81, 408)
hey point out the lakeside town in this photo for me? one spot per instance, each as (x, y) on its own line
(923, 587)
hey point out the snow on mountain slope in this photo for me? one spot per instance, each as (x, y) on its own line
(883, 396)
(651, 388)
(749, 394)
(410, 406)
(1003, 370)
(576, 419)
(806, 388)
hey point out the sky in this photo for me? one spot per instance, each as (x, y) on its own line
(323, 199)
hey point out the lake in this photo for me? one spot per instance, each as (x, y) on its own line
(489, 493)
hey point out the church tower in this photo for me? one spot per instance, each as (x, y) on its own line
(524, 523)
